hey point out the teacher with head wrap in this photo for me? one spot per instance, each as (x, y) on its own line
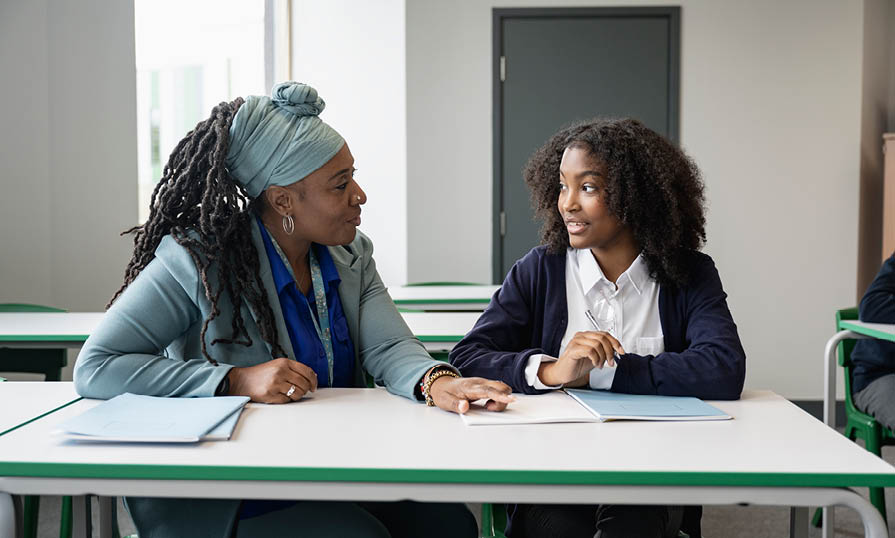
(250, 278)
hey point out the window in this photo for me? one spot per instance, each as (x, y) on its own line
(191, 55)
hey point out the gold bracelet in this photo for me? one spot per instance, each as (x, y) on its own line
(430, 378)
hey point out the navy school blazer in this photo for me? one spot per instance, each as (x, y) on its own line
(875, 358)
(703, 355)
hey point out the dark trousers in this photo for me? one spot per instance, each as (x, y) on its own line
(220, 518)
(590, 521)
(403, 519)
(878, 400)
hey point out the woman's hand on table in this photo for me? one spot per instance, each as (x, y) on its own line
(455, 393)
(273, 381)
(586, 351)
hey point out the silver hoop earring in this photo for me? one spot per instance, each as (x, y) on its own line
(288, 224)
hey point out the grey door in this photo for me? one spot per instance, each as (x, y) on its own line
(555, 66)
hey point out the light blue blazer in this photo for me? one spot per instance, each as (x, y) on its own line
(149, 343)
(149, 340)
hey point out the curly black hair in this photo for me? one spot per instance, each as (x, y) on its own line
(209, 214)
(653, 188)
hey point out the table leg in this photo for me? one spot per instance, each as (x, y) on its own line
(830, 362)
(798, 522)
(7, 516)
(874, 526)
(82, 519)
(827, 522)
(830, 351)
(106, 516)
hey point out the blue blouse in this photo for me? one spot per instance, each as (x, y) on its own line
(297, 311)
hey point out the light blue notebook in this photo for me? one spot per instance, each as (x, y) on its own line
(224, 430)
(142, 419)
(607, 405)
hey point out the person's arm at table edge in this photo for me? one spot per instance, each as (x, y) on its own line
(712, 367)
(497, 347)
(878, 303)
(121, 355)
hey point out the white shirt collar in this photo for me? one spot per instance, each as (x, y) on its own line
(590, 273)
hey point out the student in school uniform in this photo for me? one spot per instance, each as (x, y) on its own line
(617, 297)
(874, 360)
(250, 278)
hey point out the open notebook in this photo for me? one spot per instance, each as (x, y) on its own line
(148, 419)
(581, 405)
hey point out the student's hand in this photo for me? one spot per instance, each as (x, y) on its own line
(271, 381)
(586, 351)
(454, 393)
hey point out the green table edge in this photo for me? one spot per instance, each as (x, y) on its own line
(440, 338)
(439, 476)
(43, 337)
(866, 331)
(442, 301)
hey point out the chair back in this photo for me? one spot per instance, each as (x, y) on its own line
(844, 358)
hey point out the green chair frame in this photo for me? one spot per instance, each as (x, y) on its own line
(494, 520)
(859, 425)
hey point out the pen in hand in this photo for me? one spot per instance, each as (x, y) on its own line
(593, 321)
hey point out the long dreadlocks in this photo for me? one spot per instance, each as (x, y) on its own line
(196, 194)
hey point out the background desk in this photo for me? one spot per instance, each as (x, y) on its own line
(436, 298)
(771, 453)
(439, 331)
(37, 329)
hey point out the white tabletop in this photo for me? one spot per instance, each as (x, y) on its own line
(370, 435)
(885, 331)
(63, 328)
(72, 328)
(440, 326)
(409, 295)
(24, 400)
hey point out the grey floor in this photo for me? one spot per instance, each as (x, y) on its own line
(717, 521)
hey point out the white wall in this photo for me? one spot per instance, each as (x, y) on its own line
(93, 148)
(67, 150)
(891, 24)
(875, 102)
(25, 219)
(353, 53)
(770, 110)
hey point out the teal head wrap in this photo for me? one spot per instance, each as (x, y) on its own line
(280, 140)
